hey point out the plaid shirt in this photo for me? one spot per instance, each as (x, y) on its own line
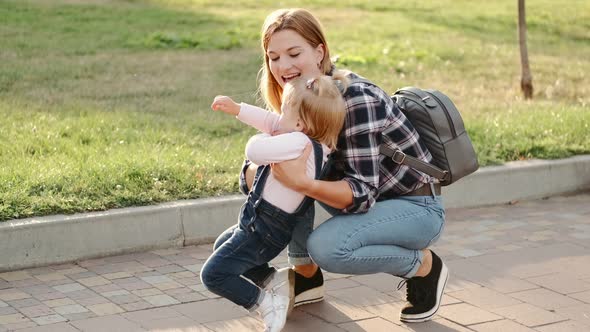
(372, 119)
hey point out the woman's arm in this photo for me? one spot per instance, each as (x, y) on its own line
(337, 194)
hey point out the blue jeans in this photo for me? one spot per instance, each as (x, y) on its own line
(388, 238)
(262, 233)
(257, 274)
(297, 250)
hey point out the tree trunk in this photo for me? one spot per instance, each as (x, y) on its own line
(526, 81)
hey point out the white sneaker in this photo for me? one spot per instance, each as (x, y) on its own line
(273, 310)
(282, 282)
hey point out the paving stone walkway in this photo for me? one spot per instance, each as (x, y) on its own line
(520, 267)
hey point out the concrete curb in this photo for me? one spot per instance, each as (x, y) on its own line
(59, 239)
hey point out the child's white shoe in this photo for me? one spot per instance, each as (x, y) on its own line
(282, 282)
(273, 310)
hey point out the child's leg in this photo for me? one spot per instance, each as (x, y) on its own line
(298, 254)
(258, 274)
(221, 273)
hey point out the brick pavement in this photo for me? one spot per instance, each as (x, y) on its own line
(520, 267)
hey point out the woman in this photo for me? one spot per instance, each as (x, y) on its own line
(386, 215)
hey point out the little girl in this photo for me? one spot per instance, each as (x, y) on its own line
(312, 110)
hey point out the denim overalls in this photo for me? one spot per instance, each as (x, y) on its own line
(263, 231)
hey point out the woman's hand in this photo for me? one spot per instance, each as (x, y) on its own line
(226, 105)
(293, 173)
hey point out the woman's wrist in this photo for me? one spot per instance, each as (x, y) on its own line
(307, 187)
(337, 194)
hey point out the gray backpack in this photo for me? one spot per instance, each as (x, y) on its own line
(441, 129)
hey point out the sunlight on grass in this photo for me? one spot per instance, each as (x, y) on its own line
(79, 159)
(106, 103)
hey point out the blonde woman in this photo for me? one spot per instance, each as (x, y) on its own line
(312, 111)
(386, 215)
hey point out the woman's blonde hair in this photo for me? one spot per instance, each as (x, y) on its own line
(320, 105)
(306, 25)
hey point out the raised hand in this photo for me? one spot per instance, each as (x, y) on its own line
(226, 105)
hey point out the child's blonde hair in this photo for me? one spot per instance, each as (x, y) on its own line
(320, 105)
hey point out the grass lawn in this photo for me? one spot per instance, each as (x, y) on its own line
(105, 103)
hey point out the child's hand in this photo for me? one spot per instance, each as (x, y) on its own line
(226, 105)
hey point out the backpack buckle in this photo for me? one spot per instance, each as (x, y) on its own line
(398, 157)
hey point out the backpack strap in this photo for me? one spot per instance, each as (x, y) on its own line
(401, 158)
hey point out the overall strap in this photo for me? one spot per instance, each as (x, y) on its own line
(319, 158)
(262, 173)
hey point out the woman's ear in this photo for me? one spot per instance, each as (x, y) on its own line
(320, 50)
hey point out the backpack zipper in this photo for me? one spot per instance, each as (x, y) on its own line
(447, 115)
(453, 131)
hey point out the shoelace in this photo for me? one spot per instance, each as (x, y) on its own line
(414, 293)
(409, 289)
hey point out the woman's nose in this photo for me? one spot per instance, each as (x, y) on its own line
(284, 63)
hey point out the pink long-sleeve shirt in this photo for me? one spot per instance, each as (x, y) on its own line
(264, 149)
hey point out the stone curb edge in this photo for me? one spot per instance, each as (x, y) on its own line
(60, 239)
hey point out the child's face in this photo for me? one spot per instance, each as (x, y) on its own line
(289, 121)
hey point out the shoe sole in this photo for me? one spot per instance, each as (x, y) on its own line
(291, 277)
(313, 295)
(418, 318)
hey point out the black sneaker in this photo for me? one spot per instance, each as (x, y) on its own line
(262, 278)
(424, 293)
(309, 290)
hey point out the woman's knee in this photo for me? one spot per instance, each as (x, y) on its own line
(325, 250)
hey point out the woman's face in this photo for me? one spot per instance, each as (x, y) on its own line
(291, 56)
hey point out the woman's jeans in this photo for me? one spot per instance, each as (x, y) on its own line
(388, 238)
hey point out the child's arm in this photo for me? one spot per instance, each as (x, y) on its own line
(263, 149)
(226, 105)
(259, 118)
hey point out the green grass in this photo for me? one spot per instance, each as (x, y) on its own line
(105, 103)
